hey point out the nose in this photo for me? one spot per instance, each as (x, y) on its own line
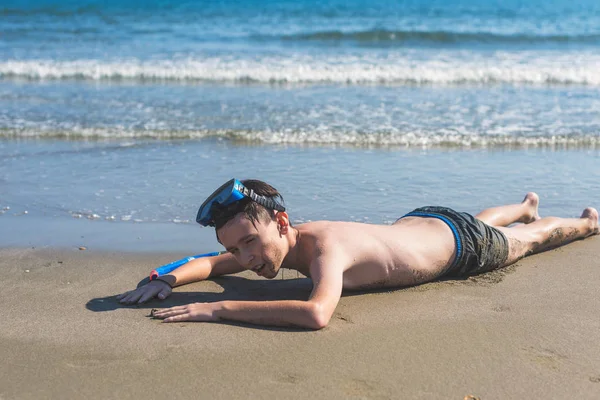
(247, 258)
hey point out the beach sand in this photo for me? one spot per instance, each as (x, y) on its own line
(531, 331)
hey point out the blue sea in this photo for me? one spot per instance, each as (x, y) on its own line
(117, 118)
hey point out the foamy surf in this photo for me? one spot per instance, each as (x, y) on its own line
(443, 138)
(394, 68)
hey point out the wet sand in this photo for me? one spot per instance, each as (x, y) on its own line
(531, 331)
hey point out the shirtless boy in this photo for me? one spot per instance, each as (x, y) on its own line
(426, 244)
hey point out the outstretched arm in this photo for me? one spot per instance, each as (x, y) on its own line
(203, 268)
(315, 313)
(193, 271)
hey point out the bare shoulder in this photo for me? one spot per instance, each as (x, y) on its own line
(320, 237)
(341, 243)
(335, 229)
(340, 233)
(326, 237)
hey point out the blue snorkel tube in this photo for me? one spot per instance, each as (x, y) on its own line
(170, 267)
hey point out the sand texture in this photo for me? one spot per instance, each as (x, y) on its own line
(529, 332)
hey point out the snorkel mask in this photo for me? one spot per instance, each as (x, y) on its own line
(230, 193)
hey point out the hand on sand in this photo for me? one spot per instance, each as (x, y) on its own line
(200, 312)
(156, 288)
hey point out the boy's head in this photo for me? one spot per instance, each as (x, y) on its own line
(255, 234)
(252, 210)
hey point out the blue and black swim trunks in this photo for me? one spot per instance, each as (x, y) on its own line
(479, 247)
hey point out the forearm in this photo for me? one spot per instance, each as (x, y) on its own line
(303, 314)
(193, 271)
(203, 268)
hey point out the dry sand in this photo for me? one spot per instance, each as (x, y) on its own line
(529, 332)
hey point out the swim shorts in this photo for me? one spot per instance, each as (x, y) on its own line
(479, 247)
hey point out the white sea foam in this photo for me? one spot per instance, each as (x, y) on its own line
(403, 67)
(510, 137)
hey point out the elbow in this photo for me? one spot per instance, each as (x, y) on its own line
(318, 316)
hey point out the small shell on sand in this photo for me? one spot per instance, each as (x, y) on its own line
(82, 248)
(471, 397)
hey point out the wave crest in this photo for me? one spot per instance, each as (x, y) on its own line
(399, 69)
(443, 37)
(444, 138)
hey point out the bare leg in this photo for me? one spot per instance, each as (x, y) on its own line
(547, 233)
(526, 212)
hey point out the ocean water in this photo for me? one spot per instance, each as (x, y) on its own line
(120, 117)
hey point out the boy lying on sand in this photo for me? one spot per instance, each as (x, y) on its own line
(425, 244)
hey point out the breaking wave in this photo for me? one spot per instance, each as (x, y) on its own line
(526, 68)
(444, 138)
(443, 37)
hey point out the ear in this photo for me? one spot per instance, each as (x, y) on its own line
(283, 222)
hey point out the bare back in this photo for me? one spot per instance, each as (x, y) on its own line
(411, 251)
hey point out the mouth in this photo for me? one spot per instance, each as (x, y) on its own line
(259, 268)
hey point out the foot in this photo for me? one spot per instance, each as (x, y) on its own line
(532, 202)
(591, 214)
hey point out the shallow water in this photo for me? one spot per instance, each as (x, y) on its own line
(165, 181)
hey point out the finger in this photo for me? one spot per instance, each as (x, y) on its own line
(176, 308)
(178, 318)
(147, 295)
(164, 293)
(125, 299)
(168, 313)
(120, 296)
(132, 298)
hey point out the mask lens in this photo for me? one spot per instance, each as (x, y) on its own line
(225, 195)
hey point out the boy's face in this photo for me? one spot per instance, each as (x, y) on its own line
(258, 248)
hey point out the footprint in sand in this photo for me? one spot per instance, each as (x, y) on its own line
(288, 378)
(364, 389)
(344, 318)
(545, 357)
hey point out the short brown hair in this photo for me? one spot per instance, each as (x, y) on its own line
(251, 209)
